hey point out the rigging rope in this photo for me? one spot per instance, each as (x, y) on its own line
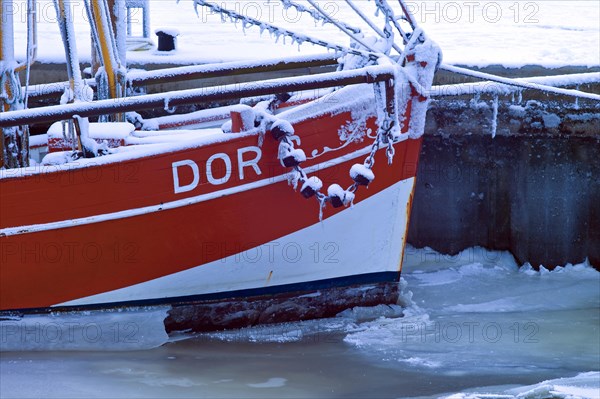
(372, 24)
(518, 83)
(273, 29)
(387, 10)
(315, 15)
(341, 27)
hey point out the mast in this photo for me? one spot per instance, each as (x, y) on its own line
(78, 91)
(108, 26)
(14, 146)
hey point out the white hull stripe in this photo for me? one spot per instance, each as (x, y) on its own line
(364, 240)
(34, 228)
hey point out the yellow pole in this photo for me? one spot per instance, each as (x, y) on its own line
(104, 37)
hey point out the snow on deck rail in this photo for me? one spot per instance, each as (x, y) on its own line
(370, 74)
(228, 68)
(203, 71)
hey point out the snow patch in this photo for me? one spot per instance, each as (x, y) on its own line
(270, 383)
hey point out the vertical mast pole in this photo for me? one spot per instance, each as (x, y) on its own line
(118, 14)
(6, 57)
(76, 84)
(65, 19)
(108, 23)
(7, 54)
(10, 90)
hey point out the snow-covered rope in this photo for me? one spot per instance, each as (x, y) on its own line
(371, 24)
(387, 10)
(487, 86)
(316, 15)
(520, 83)
(407, 15)
(277, 31)
(10, 86)
(341, 27)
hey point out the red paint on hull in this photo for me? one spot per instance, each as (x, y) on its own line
(100, 257)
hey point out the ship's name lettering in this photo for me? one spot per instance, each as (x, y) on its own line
(187, 174)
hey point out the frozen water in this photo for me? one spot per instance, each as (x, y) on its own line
(479, 310)
(93, 330)
(474, 325)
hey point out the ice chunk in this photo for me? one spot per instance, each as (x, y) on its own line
(130, 329)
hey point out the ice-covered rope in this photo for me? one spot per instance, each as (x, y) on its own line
(371, 24)
(520, 83)
(316, 15)
(407, 15)
(384, 6)
(10, 87)
(341, 27)
(299, 38)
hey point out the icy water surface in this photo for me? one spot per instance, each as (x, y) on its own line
(469, 325)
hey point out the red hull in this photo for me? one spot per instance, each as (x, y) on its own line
(47, 264)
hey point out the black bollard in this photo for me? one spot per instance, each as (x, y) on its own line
(166, 39)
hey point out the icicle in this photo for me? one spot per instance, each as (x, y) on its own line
(495, 115)
(322, 202)
(278, 32)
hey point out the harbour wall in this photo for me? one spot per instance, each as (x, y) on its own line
(527, 181)
(533, 189)
(536, 195)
